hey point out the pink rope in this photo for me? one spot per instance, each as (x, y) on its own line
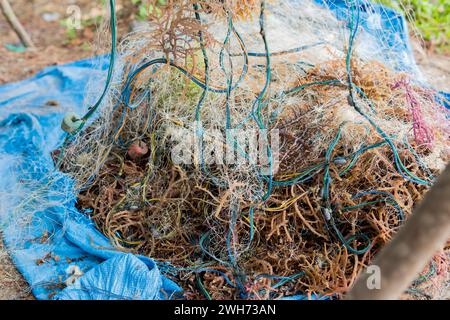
(423, 134)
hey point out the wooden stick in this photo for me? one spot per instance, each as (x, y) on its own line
(423, 235)
(15, 24)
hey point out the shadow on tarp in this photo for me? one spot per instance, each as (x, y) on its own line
(43, 231)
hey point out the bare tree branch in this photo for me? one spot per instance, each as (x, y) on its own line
(15, 24)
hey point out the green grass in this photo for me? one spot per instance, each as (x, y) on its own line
(431, 18)
(144, 8)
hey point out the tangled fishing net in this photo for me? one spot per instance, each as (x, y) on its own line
(346, 145)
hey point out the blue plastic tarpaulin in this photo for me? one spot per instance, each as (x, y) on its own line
(29, 131)
(49, 239)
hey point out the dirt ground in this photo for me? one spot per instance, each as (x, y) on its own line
(41, 19)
